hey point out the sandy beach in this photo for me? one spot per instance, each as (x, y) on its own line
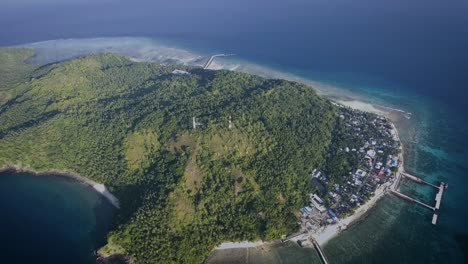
(365, 107)
(331, 231)
(243, 244)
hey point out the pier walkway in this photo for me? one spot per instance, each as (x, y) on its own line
(438, 197)
(304, 236)
(210, 60)
(418, 180)
(404, 196)
(319, 250)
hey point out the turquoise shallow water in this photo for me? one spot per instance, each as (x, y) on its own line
(50, 219)
(396, 231)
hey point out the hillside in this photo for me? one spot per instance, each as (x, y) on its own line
(13, 69)
(182, 190)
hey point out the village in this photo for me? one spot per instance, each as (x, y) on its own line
(370, 142)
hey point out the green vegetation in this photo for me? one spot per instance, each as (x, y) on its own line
(13, 69)
(182, 191)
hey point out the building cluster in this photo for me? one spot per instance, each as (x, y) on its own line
(371, 143)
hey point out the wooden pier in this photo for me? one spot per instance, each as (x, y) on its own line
(438, 197)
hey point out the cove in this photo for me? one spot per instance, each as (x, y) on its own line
(50, 218)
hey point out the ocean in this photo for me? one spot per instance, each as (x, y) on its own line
(50, 219)
(411, 56)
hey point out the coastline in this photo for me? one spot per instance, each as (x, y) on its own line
(331, 231)
(98, 187)
(242, 244)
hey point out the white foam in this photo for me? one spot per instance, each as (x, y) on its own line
(150, 50)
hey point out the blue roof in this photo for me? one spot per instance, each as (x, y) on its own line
(332, 214)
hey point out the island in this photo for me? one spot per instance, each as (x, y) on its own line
(195, 157)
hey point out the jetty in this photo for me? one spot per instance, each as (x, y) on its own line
(404, 196)
(418, 180)
(434, 219)
(320, 252)
(306, 239)
(438, 198)
(212, 57)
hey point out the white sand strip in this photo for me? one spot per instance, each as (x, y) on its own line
(243, 244)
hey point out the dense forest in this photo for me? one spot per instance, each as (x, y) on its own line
(182, 190)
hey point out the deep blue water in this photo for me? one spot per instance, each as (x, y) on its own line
(411, 55)
(50, 219)
(420, 44)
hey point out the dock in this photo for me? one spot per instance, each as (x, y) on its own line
(434, 219)
(306, 236)
(438, 197)
(404, 196)
(418, 180)
(319, 250)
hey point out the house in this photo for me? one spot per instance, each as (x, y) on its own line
(378, 165)
(371, 153)
(305, 210)
(313, 173)
(360, 173)
(317, 198)
(333, 215)
(318, 206)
